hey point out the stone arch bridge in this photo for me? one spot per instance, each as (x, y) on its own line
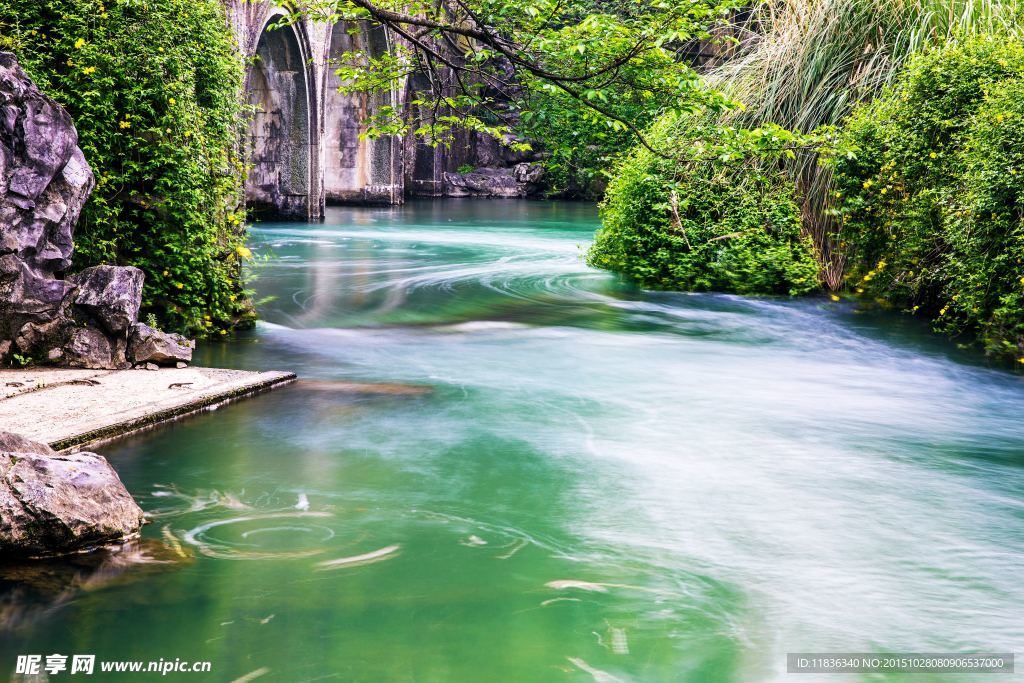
(303, 147)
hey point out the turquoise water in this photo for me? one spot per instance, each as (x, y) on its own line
(553, 477)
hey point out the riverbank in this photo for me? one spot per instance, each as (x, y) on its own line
(73, 409)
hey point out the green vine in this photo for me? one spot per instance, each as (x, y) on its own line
(154, 89)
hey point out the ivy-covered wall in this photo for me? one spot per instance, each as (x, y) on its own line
(154, 89)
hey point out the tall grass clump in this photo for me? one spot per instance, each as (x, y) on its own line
(803, 64)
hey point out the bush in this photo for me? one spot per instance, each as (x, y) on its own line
(930, 200)
(154, 90)
(714, 226)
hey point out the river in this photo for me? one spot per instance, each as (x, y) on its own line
(557, 477)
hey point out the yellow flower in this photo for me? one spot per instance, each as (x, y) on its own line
(223, 332)
(884, 190)
(943, 311)
(244, 252)
(172, 101)
(1022, 280)
(834, 297)
(933, 155)
(1021, 359)
(166, 273)
(124, 124)
(80, 43)
(179, 285)
(860, 290)
(89, 70)
(868, 184)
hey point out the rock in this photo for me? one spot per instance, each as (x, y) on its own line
(180, 365)
(84, 321)
(53, 504)
(527, 174)
(151, 366)
(111, 295)
(16, 443)
(89, 348)
(44, 181)
(149, 345)
(518, 181)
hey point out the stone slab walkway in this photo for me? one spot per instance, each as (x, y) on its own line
(72, 409)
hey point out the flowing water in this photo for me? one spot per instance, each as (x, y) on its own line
(556, 477)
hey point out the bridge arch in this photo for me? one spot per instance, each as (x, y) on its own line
(358, 169)
(282, 149)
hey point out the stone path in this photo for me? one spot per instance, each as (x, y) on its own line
(69, 409)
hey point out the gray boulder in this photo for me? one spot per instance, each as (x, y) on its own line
(89, 348)
(54, 504)
(44, 179)
(518, 181)
(86, 320)
(153, 346)
(111, 295)
(12, 443)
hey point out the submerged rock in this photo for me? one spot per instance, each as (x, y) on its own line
(153, 346)
(53, 504)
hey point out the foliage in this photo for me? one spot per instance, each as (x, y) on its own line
(931, 199)
(716, 223)
(580, 145)
(802, 64)
(498, 66)
(153, 88)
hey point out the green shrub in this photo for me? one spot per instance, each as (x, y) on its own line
(930, 201)
(715, 226)
(154, 90)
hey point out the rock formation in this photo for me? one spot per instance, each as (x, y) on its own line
(521, 180)
(52, 504)
(85, 320)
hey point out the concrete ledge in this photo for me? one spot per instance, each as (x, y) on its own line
(72, 409)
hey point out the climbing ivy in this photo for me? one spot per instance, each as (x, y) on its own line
(154, 89)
